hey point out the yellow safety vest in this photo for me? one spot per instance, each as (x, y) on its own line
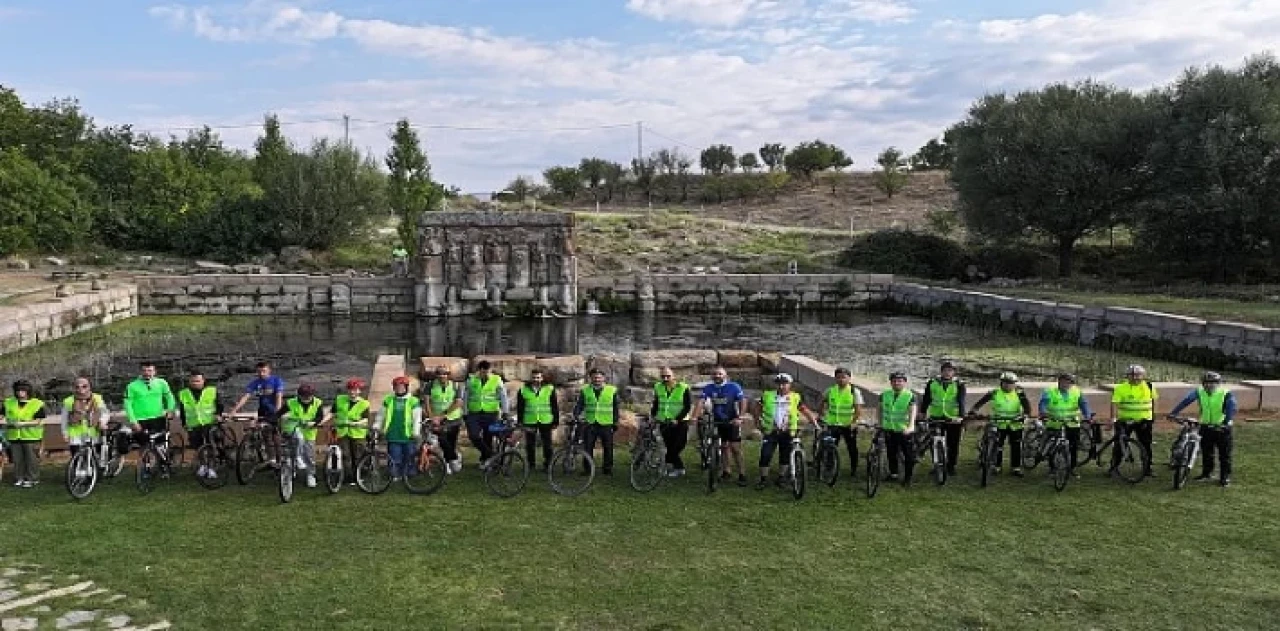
(199, 413)
(598, 410)
(670, 401)
(349, 412)
(442, 398)
(24, 413)
(85, 427)
(1134, 404)
(840, 406)
(769, 401)
(483, 397)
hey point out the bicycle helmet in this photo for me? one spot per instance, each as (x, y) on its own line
(306, 390)
(400, 381)
(783, 378)
(1066, 376)
(355, 383)
(897, 375)
(23, 384)
(1136, 370)
(1008, 377)
(1211, 377)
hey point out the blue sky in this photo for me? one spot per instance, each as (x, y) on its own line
(864, 74)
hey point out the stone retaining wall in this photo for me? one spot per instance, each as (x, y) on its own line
(749, 292)
(1185, 339)
(275, 294)
(28, 325)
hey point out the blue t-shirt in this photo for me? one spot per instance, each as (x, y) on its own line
(265, 390)
(724, 399)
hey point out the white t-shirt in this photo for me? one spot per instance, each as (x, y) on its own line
(782, 413)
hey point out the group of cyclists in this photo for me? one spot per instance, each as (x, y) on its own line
(480, 404)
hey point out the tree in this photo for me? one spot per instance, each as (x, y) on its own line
(410, 189)
(812, 157)
(890, 178)
(1062, 162)
(522, 188)
(642, 173)
(563, 181)
(773, 155)
(37, 211)
(935, 155)
(749, 162)
(615, 181)
(594, 172)
(718, 160)
(775, 182)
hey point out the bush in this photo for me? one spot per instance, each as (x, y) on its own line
(1015, 260)
(908, 253)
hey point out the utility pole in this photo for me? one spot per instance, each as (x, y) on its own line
(346, 129)
(640, 140)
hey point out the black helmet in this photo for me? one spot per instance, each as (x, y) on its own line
(1066, 376)
(23, 384)
(1211, 377)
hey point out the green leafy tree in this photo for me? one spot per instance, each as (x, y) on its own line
(776, 182)
(522, 188)
(410, 189)
(37, 210)
(594, 172)
(809, 158)
(935, 155)
(642, 174)
(890, 178)
(773, 155)
(718, 159)
(565, 182)
(1060, 163)
(749, 162)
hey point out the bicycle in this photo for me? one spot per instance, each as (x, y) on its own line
(576, 466)
(215, 456)
(98, 460)
(258, 448)
(1186, 450)
(155, 457)
(373, 472)
(284, 475)
(876, 459)
(507, 472)
(430, 464)
(1127, 454)
(1056, 449)
(715, 453)
(932, 441)
(826, 458)
(706, 431)
(1037, 449)
(798, 476)
(334, 470)
(989, 451)
(648, 457)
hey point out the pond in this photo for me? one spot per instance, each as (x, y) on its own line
(327, 351)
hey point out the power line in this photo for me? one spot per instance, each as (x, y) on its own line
(233, 126)
(669, 138)
(499, 129)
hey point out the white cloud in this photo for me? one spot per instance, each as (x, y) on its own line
(875, 11)
(708, 12)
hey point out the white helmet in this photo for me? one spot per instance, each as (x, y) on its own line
(1136, 370)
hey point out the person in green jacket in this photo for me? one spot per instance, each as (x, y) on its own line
(149, 405)
(400, 421)
(24, 422)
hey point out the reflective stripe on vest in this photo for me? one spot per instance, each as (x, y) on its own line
(598, 410)
(1213, 410)
(943, 399)
(895, 410)
(24, 413)
(839, 406)
(483, 397)
(85, 427)
(299, 415)
(348, 413)
(442, 398)
(769, 399)
(537, 404)
(670, 401)
(1063, 408)
(1134, 403)
(199, 413)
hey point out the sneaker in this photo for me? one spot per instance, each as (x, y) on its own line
(455, 466)
(997, 470)
(20, 483)
(679, 473)
(212, 475)
(311, 481)
(893, 477)
(724, 475)
(202, 472)
(761, 484)
(395, 478)
(1226, 482)
(1017, 473)
(673, 474)
(300, 464)
(742, 480)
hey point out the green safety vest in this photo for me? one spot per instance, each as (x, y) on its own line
(23, 413)
(1213, 411)
(840, 406)
(895, 410)
(299, 415)
(199, 413)
(769, 401)
(82, 428)
(483, 397)
(537, 405)
(670, 401)
(1134, 403)
(400, 253)
(442, 398)
(943, 399)
(349, 413)
(1006, 408)
(397, 427)
(1063, 408)
(598, 410)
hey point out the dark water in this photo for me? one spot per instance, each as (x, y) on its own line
(327, 351)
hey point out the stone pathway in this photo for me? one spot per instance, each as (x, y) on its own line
(31, 598)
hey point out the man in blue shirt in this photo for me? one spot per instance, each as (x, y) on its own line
(1217, 413)
(269, 389)
(1065, 406)
(728, 404)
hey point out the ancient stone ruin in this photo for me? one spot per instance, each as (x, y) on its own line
(496, 262)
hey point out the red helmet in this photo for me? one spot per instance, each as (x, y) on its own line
(400, 381)
(355, 383)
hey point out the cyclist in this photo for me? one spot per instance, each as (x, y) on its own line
(199, 408)
(779, 412)
(598, 406)
(269, 390)
(1133, 403)
(444, 409)
(1009, 411)
(898, 410)
(400, 421)
(486, 399)
(149, 405)
(1064, 406)
(942, 402)
(539, 412)
(84, 415)
(728, 405)
(400, 262)
(841, 407)
(24, 416)
(302, 417)
(351, 423)
(1217, 413)
(672, 403)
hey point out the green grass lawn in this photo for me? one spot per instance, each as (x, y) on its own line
(1017, 555)
(1263, 313)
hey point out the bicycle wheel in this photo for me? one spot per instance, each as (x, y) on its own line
(177, 452)
(1060, 465)
(799, 474)
(987, 458)
(571, 472)
(216, 468)
(1086, 448)
(429, 473)
(114, 462)
(1181, 468)
(1130, 467)
(713, 466)
(373, 472)
(248, 458)
(939, 456)
(284, 480)
(828, 464)
(507, 475)
(333, 472)
(645, 476)
(148, 467)
(1032, 442)
(82, 473)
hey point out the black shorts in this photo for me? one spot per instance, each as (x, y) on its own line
(729, 432)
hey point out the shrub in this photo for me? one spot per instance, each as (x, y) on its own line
(908, 253)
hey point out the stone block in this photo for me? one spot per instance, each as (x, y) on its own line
(241, 290)
(563, 370)
(616, 368)
(704, 359)
(517, 367)
(646, 376)
(1226, 330)
(733, 358)
(473, 295)
(521, 294)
